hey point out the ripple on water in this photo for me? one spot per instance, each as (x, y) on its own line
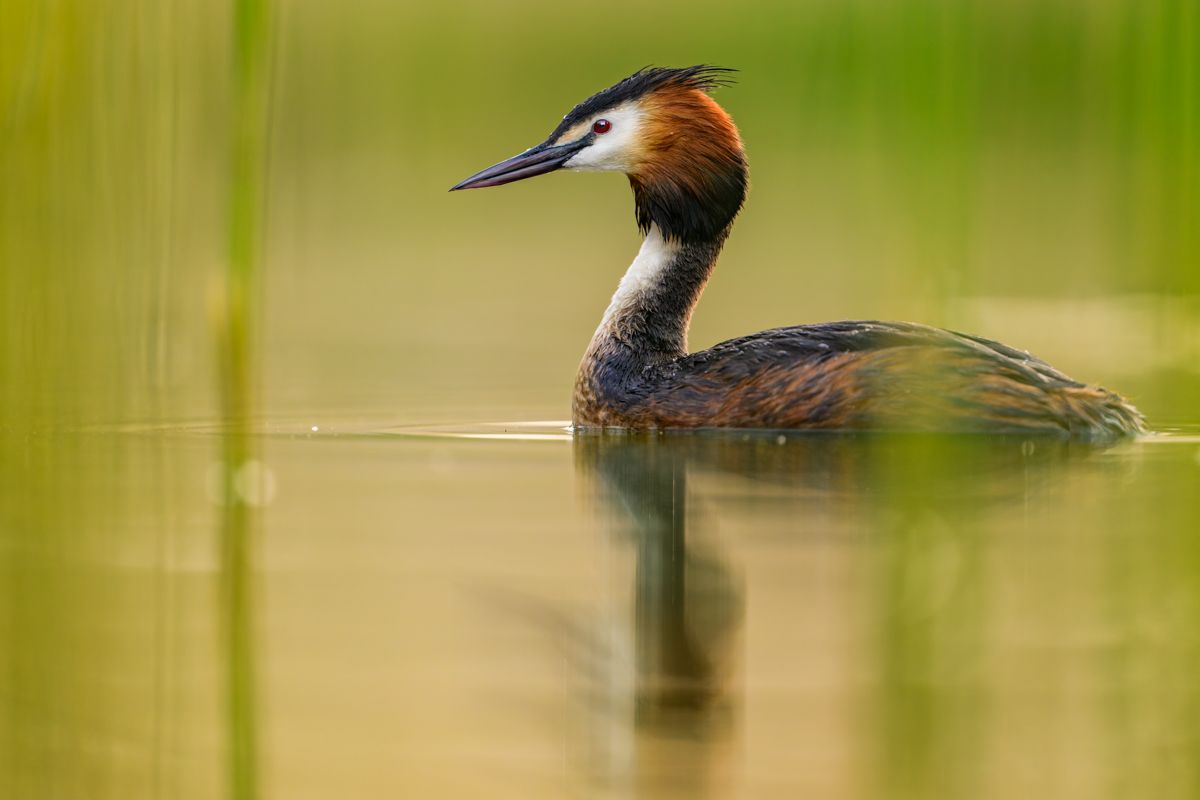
(539, 430)
(521, 430)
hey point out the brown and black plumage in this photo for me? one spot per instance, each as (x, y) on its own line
(687, 168)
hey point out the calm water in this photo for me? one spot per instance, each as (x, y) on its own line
(510, 611)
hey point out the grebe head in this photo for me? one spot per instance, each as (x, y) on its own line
(681, 151)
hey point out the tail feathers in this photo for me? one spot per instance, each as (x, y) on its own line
(1092, 412)
(987, 392)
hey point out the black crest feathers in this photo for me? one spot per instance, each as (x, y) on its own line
(644, 81)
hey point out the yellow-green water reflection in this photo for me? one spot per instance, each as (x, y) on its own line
(610, 616)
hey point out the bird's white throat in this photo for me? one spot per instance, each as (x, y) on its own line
(652, 259)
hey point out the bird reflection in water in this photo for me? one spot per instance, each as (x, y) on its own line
(687, 614)
(681, 713)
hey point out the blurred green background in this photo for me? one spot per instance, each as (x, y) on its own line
(1023, 170)
(223, 225)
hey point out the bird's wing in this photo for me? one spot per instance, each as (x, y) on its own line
(876, 375)
(827, 339)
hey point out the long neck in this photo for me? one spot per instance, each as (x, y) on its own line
(647, 320)
(688, 186)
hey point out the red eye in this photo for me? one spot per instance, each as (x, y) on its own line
(601, 126)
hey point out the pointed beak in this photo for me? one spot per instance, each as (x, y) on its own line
(534, 161)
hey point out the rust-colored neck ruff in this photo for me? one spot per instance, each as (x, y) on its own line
(690, 175)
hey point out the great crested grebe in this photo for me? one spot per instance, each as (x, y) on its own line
(685, 162)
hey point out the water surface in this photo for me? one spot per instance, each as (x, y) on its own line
(508, 610)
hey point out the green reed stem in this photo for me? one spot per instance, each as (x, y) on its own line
(251, 49)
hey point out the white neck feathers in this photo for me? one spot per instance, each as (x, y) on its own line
(652, 259)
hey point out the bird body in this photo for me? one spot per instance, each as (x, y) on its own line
(687, 168)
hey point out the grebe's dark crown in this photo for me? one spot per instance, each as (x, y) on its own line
(702, 77)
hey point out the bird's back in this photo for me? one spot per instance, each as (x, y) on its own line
(857, 376)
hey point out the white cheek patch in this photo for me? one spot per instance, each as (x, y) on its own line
(612, 151)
